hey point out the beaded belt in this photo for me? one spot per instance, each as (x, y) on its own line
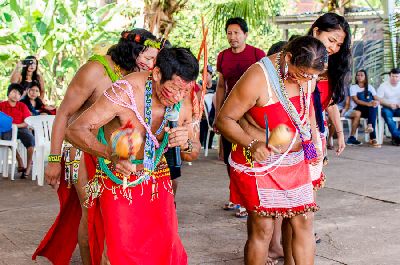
(71, 176)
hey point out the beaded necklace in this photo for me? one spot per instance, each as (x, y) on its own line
(302, 125)
(117, 71)
(152, 156)
(149, 153)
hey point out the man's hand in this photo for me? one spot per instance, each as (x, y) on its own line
(52, 174)
(125, 167)
(375, 103)
(178, 136)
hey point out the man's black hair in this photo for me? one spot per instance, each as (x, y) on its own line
(178, 61)
(395, 71)
(238, 21)
(15, 86)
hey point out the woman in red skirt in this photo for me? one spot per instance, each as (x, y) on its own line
(272, 184)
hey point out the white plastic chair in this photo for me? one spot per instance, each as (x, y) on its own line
(364, 123)
(21, 150)
(42, 126)
(5, 145)
(383, 129)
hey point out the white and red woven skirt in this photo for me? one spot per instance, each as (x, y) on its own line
(284, 189)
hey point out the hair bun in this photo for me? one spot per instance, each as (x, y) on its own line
(125, 34)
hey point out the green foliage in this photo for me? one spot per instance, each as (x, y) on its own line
(60, 33)
(188, 32)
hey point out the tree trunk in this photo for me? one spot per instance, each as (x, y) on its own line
(159, 15)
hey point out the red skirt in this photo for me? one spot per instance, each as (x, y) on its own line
(60, 241)
(138, 224)
(283, 190)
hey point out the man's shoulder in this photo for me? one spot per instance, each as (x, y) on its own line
(137, 76)
(384, 85)
(253, 48)
(137, 79)
(224, 51)
(221, 53)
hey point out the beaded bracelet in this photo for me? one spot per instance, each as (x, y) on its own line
(339, 131)
(251, 144)
(54, 158)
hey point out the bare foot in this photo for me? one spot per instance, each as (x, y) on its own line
(271, 261)
(275, 252)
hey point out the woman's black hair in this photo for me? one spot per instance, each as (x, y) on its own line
(237, 21)
(25, 70)
(177, 61)
(307, 52)
(276, 47)
(36, 83)
(128, 48)
(365, 82)
(339, 63)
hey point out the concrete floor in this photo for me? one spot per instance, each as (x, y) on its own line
(359, 220)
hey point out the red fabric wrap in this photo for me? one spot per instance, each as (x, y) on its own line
(325, 93)
(285, 190)
(144, 232)
(60, 241)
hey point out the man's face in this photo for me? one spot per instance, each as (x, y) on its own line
(394, 79)
(172, 91)
(236, 37)
(14, 96)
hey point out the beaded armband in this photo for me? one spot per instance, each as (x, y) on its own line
(54, 158)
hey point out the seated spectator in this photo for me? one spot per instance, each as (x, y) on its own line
(389, 96)
(34, 103)
(210, 108)
(18, 111)
(364, 103)
(25, 73)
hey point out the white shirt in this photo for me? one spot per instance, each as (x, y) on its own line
(355, 89)
(389, 93)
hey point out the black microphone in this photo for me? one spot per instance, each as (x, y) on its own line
(173, 117)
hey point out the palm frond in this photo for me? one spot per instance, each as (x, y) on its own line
(253, 11)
